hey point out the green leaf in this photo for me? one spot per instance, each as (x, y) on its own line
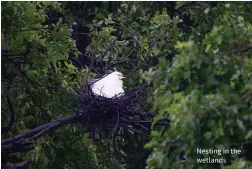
(206, 10)
(227, 5)
(240, 125)
(249, 135)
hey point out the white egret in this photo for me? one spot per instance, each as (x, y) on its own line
(109, 86)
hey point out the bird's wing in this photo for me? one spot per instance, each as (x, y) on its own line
(98, 88)
(92, 81)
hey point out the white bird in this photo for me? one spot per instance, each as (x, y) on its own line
(109, 86)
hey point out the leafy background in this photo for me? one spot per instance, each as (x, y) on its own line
(184, 50)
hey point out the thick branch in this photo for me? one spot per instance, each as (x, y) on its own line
(21, 165)
(15, 54)
(43, 132)
(11, 144)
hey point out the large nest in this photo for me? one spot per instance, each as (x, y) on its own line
(115, 113)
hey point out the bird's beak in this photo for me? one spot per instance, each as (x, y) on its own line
(122, 77)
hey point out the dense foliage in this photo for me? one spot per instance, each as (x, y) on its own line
(195, 56)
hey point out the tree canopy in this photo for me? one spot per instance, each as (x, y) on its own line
(196, 58)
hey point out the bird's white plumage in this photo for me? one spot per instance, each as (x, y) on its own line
(109, 86)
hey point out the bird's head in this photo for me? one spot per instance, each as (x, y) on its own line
(118, 74)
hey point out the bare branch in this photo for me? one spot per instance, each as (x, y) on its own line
(244, 49)
(36, 29)
(4, 45)
(15, 54)
(21, 165)
(246, 95)
(18, 143)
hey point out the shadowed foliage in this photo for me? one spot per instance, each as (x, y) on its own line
(195, 58)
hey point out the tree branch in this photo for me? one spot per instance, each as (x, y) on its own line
(4, 45)
(36, 29)
(109, 47)
(18, 143)
(244, 49)
(24, 75)
(21, 165)
(21, 72)
(15, 54)
(246, 95)
(11, 121)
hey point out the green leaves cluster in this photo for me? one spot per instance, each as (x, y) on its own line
(204, 86)
(36, 73)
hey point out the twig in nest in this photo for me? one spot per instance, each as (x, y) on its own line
(119, 111)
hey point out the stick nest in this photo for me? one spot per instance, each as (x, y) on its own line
(119, 111)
